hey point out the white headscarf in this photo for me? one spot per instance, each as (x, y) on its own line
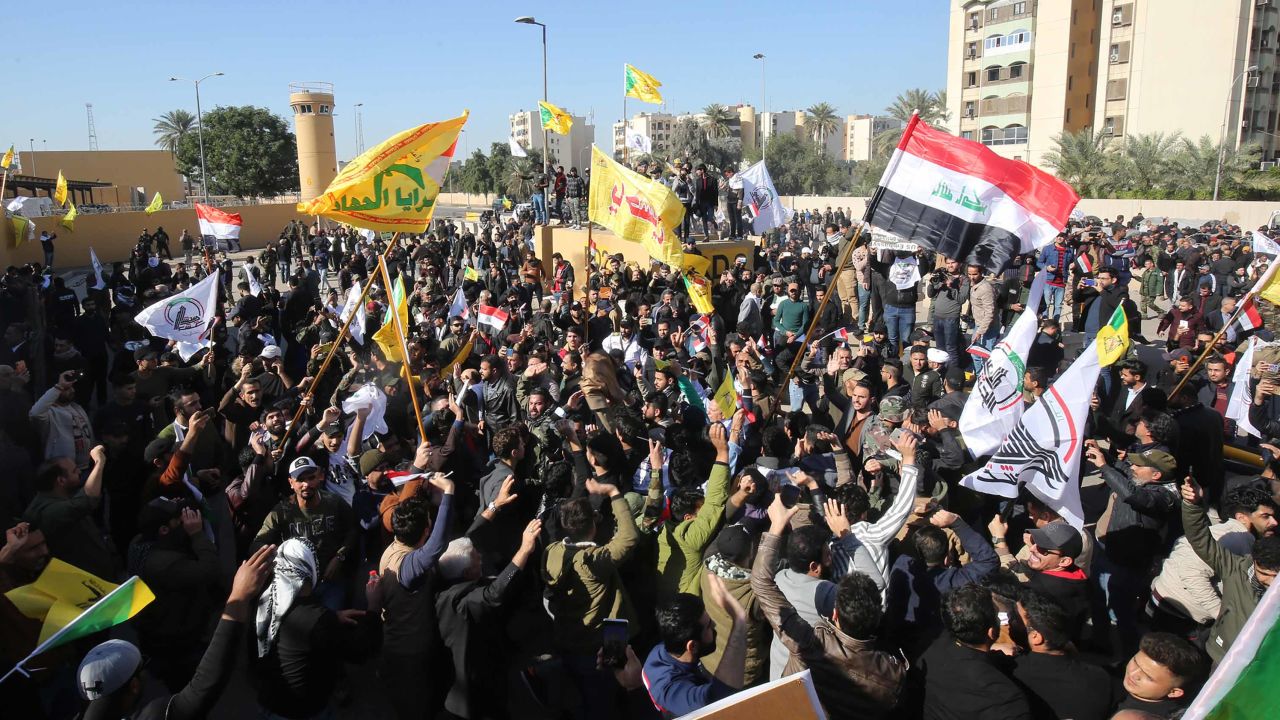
(295, 566)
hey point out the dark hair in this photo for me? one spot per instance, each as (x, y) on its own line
(685, 502)
(659, 403)
(1266, 552)
(970, 614)
(48, 473)
(409, 520)
(858, 610)
(930, 544)
(776, 443)
(506, 441)
(805, 546)
(608, 451)
(1162, 426)
(679, 621)
(1004, 587)
(894, 366)
(494, 361)
(855, 500)
(631, 427)
(1039, 375)
(1183, 659)
(1046, 616)
(577, 518)
(1109, 271)
(1136, 367)
(1246, 499)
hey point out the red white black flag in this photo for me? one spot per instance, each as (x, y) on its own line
(958, 198)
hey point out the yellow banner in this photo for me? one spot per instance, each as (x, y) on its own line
(393, 186)
(156, 204)
(68, 221)
(7, 162)
(458, 359)
(554, 119)
(727, 396)
(699, 291)
(60, 192)
(635, 208)
(60, 594)
(386, 336)
(700, 264)
(642, 86)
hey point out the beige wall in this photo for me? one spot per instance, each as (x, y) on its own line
(572, 245)
(152, 170)
(113, 235)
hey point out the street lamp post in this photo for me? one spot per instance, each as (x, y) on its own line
(546, 147)
(1222, 137)
(760, 57)
(32, 142)
(359, 130)
(204, 178)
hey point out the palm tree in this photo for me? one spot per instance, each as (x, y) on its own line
(717, 120)
(1143, 161)
(931, 106)
(171, 127)
(1083, 160)
(520, 177)
(822, 121)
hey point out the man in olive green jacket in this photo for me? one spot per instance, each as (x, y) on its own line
(683, 537)
(1243, 579)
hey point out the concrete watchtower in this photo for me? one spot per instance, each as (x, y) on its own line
(312, 104)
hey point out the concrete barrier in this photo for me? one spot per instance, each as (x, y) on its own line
(113, 235)
(572, 245)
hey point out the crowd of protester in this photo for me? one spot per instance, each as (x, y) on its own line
(578, 528)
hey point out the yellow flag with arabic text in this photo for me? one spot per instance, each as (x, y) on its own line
(699, 291)
(7, 162)
(1113, 338)
(156, 204)
(642, 86)
(60, 191)
(60, 594)
(727, 396)
(393, 186)
(386, 336)
(635, 208)
(554, 119)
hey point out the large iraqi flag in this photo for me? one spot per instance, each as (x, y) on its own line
(218, 224)
(960, 199)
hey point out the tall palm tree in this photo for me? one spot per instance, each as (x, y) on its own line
(520, 177)
(931, 106)
(1083, 160)
(717, 120)
(821, 119)
(1143, 161)
(171, 127)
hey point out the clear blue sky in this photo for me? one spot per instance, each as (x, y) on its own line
(416, 62)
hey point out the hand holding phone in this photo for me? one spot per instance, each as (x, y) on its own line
(613, 652)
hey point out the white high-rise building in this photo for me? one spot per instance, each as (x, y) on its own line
(860, 133)
(572, 150)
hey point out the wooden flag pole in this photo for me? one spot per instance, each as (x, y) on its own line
(1209, 349)
(813, 322)
(404, 350)
(333, 349)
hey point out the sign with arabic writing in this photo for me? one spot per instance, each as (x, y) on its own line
(394, 185)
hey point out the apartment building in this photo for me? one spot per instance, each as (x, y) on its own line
(659, 126)
(572, 150)
(1022, 71)
(860, 133)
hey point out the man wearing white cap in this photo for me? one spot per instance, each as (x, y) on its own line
(110, 677)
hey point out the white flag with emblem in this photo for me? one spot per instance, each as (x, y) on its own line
(517, 150)
(97, 270)
(995, 404)
(638, 142)
(186, 318)
(1263, 245)
(1043, 451)
(353, 304)
(1241, 399)
(762, 199)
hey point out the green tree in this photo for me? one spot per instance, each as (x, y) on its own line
(1083, 160)
(474, 175)
(690, 144)
(249, 152)
(171, 127)
(821, 120)
(520, 177)
(717, 121)
(798, 167)
(931, 106)
(1143, 162)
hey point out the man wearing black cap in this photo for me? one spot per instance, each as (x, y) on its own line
(1050, 566)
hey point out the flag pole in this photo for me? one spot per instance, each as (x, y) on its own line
(1240, 306)
(404, 350)
(626, 148)
(333, 349)
(586, 279)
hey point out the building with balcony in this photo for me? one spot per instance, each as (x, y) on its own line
(572, 150)
(1019, 72)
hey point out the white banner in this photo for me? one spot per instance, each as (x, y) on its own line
(1263, 245)
(762, 199)
(186, 318)
(638, 142)
(1043, 451)
(353, 304)
(517, 150)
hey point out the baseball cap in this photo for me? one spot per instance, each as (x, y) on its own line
(270, 351)
(302, 465)
(370, 460)
(146, 352)
(333, 428)
(1158, 459)
(893, 409)
(107, 668)
(1177, 354)
(1058, 537)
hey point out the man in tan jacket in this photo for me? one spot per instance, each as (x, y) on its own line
(983, 307)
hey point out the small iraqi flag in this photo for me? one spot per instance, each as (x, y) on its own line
(1085, 263)
(1249, 318)
(495, 318)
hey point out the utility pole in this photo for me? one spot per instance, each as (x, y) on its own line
(93, 131)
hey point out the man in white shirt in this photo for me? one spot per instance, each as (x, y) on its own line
(625, 341)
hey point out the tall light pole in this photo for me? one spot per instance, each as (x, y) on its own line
(204, 178)
(359, 130)
(760, 57)
(32, 142)
(546, 147)
(1222, 137)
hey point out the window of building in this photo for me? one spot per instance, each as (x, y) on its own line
(993, 73)
(1020, 8)
(1117, 89)
(971, 79)
(1066, 116)
(1119, 53)
(995, 41)
(993, 14)
(972, 50)
(970, 108)
(966, 134)
(1016, 70)
(989, 135)
(1112, 126)
(975, 19)
(1015, 135)
(324, 109)
(1070, 79)
(1018, 37)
